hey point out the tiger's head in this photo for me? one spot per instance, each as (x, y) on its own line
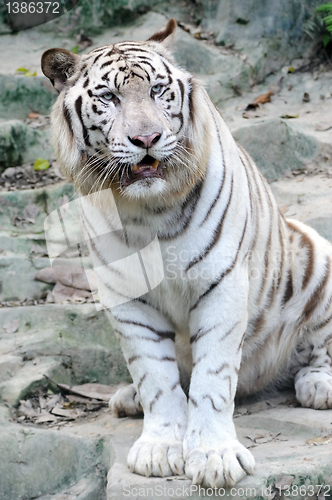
(129, 118)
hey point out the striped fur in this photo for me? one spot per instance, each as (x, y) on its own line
(246, 302)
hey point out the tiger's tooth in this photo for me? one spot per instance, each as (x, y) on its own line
(135, 168)
(155, 164)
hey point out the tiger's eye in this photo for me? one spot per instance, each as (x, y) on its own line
(156, 88)
(108, 96)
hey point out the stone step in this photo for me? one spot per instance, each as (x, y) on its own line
(307, 199)
(286, 442)
(40, 461)
(20, 95)
(24, 245)
(70, 344)
(17, 275)
(21, 144)
(13, 206)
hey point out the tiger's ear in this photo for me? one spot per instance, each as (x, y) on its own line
(165, 35)
(59, 65)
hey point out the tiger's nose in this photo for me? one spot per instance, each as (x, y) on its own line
(145, 141)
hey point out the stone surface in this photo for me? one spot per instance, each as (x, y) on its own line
(276, 147)
(268, 32)
(13, 205)
(70, 344)
(40, 462)
(276, 435)
(20, 95)
(19, 144)
(307, 199)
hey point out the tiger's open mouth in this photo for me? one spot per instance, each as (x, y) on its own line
(148, 168)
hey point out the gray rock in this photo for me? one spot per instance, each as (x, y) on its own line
(275, 146)
(269, 32)
(307, 199)
(21, 144)
(71, 344)
(20, 95)
(38, 462)
(14, 203)
(277, 437)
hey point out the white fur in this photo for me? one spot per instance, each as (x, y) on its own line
(234, 302)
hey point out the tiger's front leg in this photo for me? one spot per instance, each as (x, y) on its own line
(213, 455)
(147, 342)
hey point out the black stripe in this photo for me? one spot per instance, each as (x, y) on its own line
(78, 107)
(219, 370)
(182, 92)
(66, 114)
(192, 198)
(97, 57)
(96, 110)
(179, 116)
(155, 399)
(212, 402)
(217, 233)
(197, 336)
(163, 334)
(223, 274)
(316, 296)
(215, 199)
(106, 63)
(141, 381)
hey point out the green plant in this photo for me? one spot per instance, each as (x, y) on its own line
(319, 25)
(327, 20)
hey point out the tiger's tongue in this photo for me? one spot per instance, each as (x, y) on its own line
(146, 164)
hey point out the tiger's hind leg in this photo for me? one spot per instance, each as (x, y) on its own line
(313, 383)
(126, 402)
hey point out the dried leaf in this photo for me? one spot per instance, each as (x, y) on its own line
(92, 391)
(289, 116)
(33, 116)
(318, 440)
(41, 164)
(321, 127)
(26, 72)
(263, 98)
(62, 412)
(47, 417)
(12, 326)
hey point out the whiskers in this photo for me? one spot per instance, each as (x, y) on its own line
(98, 172)
(182, 156)
(104, 169)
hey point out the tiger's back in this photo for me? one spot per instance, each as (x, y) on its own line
(247, 296)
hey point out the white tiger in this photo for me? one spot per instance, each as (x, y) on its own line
(247, 297)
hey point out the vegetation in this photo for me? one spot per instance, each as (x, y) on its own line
(319, 26)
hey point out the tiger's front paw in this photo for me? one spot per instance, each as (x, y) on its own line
(314, 389)
(152, 458)
(221, 466)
